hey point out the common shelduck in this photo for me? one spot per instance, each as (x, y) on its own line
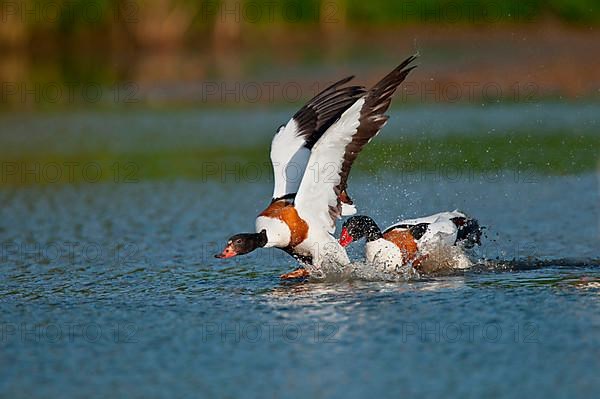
(407, 245)
(319, 143)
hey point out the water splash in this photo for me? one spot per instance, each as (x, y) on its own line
(442, 261)
(439, 260)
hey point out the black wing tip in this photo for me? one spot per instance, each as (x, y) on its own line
(408, 61)
(343, 81)
(402, 68)
(397, 76)
(372, 115)
(333, 86)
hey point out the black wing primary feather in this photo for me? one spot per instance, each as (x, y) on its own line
(372, 119)
(324, 109)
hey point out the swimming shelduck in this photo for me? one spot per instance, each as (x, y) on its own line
(321, 141)
(410, 243)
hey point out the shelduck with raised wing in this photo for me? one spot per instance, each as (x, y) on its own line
(322, 140)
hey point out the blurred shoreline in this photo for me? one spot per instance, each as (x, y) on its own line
(459, 63)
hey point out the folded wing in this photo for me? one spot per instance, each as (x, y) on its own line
(442, 216)
(447, 228)
(320, 195)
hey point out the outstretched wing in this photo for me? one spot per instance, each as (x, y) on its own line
(325, 178)
(291, 146)
(372, 119)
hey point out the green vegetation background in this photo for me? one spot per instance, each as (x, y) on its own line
(98, 14)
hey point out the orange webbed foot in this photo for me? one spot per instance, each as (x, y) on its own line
(298, 273)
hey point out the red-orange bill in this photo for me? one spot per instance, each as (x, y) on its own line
(228, 252)
(345, 238)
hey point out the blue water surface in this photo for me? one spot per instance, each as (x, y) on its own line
(111, 290)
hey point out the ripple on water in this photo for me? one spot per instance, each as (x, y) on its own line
(144, 278)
